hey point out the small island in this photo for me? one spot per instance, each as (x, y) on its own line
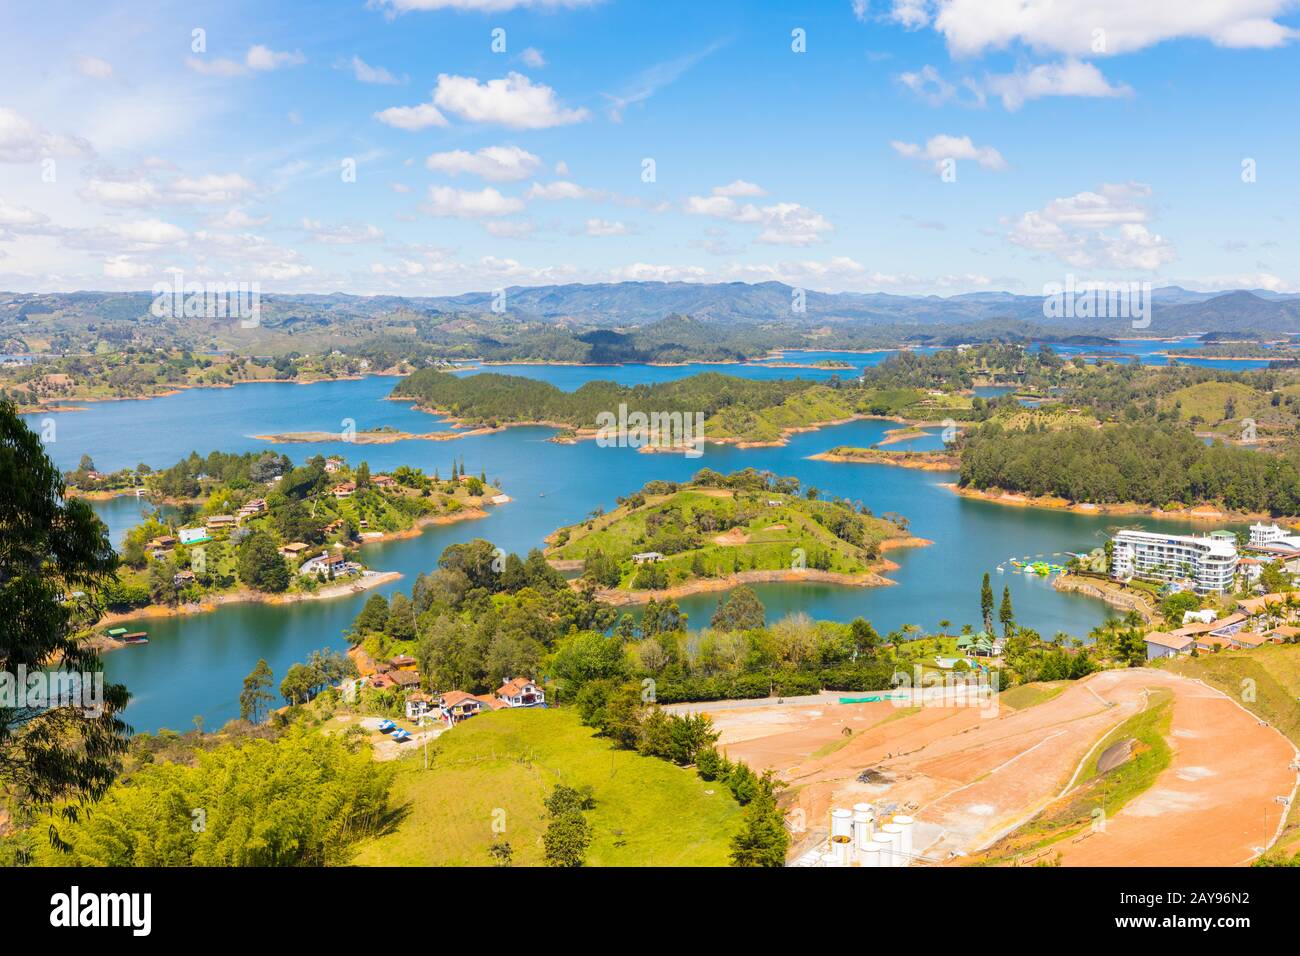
(717, 531)
(254, 527)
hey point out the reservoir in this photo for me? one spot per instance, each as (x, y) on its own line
(194, 665)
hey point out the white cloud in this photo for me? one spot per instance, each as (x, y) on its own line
(513, 101)
(532, 57)
(467, 204)
(739, 188)
(1106, 228)
(122, 192)
(1070, 27)
(20, 216)
(148, 232)
(365, 73)
(123, 267)
(258, 59)
(24, 141)
(412, 118)
(938, 149)
(343, 235)
(563, 189)
(1071, 78)
(263, 58)
(494, 163)
(604, 227)
(782, 223)
(94, 67)
(237, 219)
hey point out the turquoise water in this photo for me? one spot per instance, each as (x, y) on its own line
(194, 665)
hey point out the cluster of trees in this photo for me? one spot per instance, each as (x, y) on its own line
(490, 397)
(1153, 464)
(480, 618)
(568, 834)
(304, 799)
(620, 711)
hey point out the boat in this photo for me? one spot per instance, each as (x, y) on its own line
(131, 637)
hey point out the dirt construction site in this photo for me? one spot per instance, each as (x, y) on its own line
(973, 775)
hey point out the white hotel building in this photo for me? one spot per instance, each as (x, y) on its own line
(1210, 562)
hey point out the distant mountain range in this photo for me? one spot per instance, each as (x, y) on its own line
(1175, 310)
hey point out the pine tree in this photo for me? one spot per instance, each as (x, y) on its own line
(1005, 614)
(986, 604)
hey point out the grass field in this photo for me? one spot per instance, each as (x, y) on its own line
(1027, 695)
(764, 529)
(500, 766)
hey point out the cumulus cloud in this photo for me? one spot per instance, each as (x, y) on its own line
(938, 149)
(140, 191)
(604, 227)
(24, 141)
(258, 59)
(1085, 28)
(493, 163)
(467, 204)
(781, 223)
(1106, 228)
(341, 235)
(563, 189)
(739, 188)
(532, 57)
(1071, 78)
(412, 118)
(513, 101)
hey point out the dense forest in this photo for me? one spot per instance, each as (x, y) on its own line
(1152, 464)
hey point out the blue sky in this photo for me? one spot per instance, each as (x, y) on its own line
(914, 146)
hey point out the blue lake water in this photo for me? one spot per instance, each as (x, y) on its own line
(194, 665)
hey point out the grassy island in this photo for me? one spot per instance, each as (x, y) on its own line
(717, 529)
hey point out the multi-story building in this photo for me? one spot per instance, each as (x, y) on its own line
(1208, 562)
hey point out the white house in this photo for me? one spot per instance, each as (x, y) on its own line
(520, 692)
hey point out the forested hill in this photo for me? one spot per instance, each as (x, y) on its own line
(1149, 464)
(734, 409)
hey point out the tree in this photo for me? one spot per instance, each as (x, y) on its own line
(1006, 615)
(257, 693)
(568, 834)
(261, 565)
(763, 839)
(51, 547)
(501, 852)
(740, 611)
(374, 616)
(363, 476)
(986, 604)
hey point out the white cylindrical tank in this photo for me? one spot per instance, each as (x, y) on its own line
(895, 834)
(886, 844)
(870, 854)
(864, 818)
(908, 825)
(841, 822)
(828, 859)
(840, 846)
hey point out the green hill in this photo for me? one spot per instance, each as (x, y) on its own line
(501, 765)
(707, 531)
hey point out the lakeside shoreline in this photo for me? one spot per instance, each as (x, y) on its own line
(872, 577)
(1207, 513)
